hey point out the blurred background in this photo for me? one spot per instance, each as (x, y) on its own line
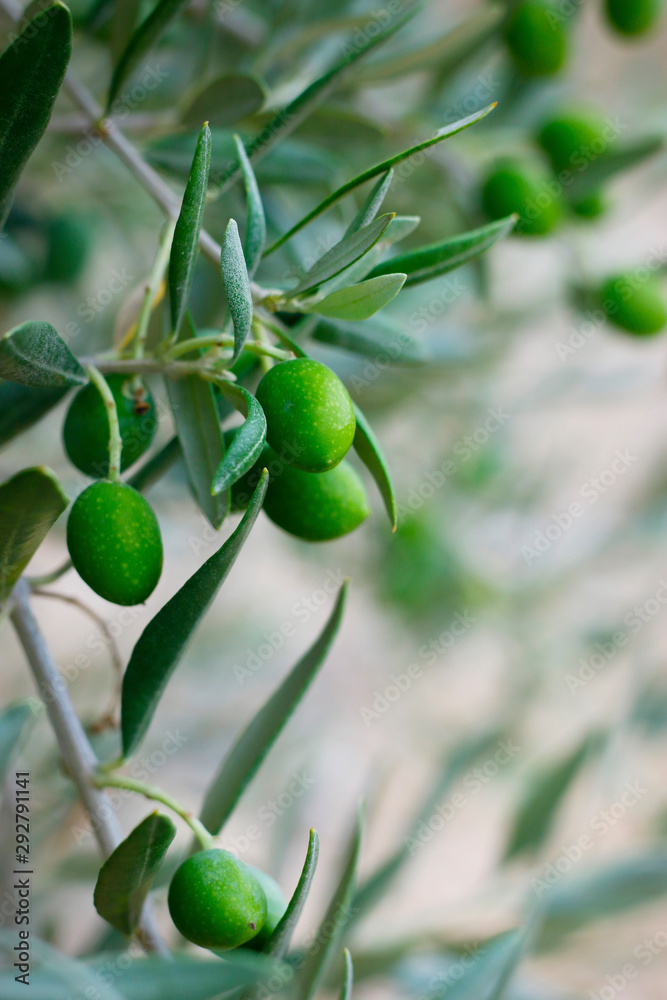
(495, 624)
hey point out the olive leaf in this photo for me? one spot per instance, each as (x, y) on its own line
(30, 504)
(279, 942)
(255, 233)
(248, 442)
(166, 637)
(13, 721)
(225, 101)
(53, 975)
(380, 168)
(21, 406)
(237, 286)
(488, 974)
(32, 70)
(379, 339)
(373, 203)
(126, 876)
(186, 234)
(369, 451)
(244, 759)
(153, 470)
(437, 259)
(348, 981)
(148, 34)
(358, 302)
(35, 354)
(344, 253)
(610, 163)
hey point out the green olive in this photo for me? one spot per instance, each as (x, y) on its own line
(216, 901)
(536, 38)
(634, 302)
(633, 17)
(276, 904)
(308, 412)
(67, 248)
(114, 541)
(572, 139)
(86, 429)
(513, 186)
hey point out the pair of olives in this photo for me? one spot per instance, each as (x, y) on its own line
(113, 535)
(219, 902)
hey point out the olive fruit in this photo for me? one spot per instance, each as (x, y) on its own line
(513, 186)
(67, 248)
(536, 39)
(309, 412)
(216, 901)
(276, 904)
(634, 303)
(572, 140)
(633, 17)
(86, 429)
(114, 541)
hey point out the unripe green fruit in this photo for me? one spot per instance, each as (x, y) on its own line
(591, 206)
(536, 39)
(515, 187)
(634, 304)
(633, 17)
(572, 139)
(309, 413)
(216, 901)
(86, 429)
(67, 248)
(276, 904)
(114, 541)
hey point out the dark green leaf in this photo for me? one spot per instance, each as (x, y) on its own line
(142, 41)
(30, 504)
(350, 249)
(255, 233)
(380, 168)
(439, 258)
(369, 451)
(22, 406)
(13, 720)
(348, 982)
(32, 70)
(166, 637)
(254, 743)
(237, 286)
(35, 354)
(279, 942)
(225, 101)
(614, 161)
(126, 876)
(186, 234)
(359, 302)
(372, 205)
(333, 925)
(248, 442)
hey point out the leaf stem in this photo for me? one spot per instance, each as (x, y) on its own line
(115, 440)
(102, 779)
(153, 287)
(224, 340)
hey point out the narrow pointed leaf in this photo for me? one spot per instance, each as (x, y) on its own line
(166, 637)
(237, 286)
(379, 340)
(248, 442)
(35, 354)
(21, 406)
(13, 721)
(333, 926)
(369, 451)
(126, 876)
(380, 168)
(252, 746)
(30, 504)
(225, 101)
(186, 234)
(373, 203)
(359, 302)
(350, 249)
(279, 942)
(348, 981)
(615, 161)
(255, 232)
(439, 258)
(400, 227)
(32, 70)
(488, 975)
(148, 34)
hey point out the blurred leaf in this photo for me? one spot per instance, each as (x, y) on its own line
(244, 759)
(400, 227)
(153, 470)
(32, 69)
(359, 302)
(166, 637)
(255, 232)
(348, 982)
(610, 163)
(487, 976)
(333, 925)
(248, 441)
(439, 258)
(237, 286)
(30, 504)
(369, 451)
(13, 720)
(381, 341)
(53, 975)
(279, 942)
(372, 205)
(35, 354)
(186, 234)
(379, 168)
(148, 34)
(22, 406)
(225, 101)
(126, 876)
(350, 249)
